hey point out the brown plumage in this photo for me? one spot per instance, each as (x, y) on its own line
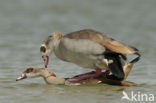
(88, 48)
(102, 39)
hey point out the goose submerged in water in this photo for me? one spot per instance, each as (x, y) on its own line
(50, 77)
(88, 49)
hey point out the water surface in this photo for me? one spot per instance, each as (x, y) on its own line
(25, 23)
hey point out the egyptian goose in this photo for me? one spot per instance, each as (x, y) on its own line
(89, 49)
(50, 77)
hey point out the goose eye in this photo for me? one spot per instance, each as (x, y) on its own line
(43, 49)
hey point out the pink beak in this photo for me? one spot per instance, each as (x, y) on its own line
(23, 76)
(46, 60)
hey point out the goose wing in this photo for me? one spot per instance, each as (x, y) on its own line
(103, 40)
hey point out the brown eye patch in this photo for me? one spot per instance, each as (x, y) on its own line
(28, 70)
(43, 49)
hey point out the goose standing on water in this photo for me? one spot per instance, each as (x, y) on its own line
(89, 49)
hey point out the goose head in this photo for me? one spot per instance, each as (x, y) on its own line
(29, 73)
(48, 46)
(35, 72)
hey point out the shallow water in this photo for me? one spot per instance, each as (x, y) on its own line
(25, 23)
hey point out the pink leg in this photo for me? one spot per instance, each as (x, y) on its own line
(86, 76)
(88, 73)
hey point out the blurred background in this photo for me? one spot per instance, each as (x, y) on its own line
(25, 23)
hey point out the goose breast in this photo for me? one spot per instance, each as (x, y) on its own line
(83, 52)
